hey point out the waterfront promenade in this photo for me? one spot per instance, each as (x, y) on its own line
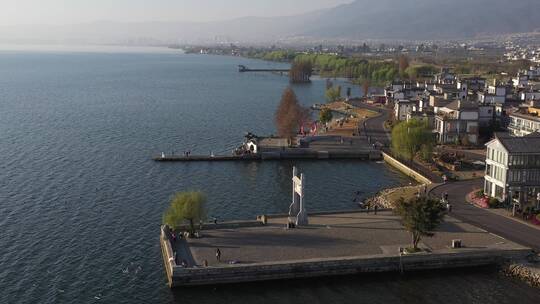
(330, 236)
(332, 244)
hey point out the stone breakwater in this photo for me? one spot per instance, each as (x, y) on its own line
(387, 198)
(528, 272)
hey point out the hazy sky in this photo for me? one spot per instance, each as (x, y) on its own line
(13, 12)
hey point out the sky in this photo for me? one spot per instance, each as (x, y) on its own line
(62, 12)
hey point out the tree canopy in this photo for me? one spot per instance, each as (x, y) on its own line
(301, 71)
(411, 137)
(186, 206)
(421, 71)
(333, 94)
(290, 115)
(420, 216)
(325, 115)
(377, 71)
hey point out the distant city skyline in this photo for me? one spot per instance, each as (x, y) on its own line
(63, 12)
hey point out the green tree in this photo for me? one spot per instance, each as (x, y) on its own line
(420, 216)
(333, 94)
(325, 115)
(186, 206)
(410, 137)
(301, 71)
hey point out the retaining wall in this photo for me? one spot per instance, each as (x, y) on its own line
(405, 169)
(167, 254)
(341, 266)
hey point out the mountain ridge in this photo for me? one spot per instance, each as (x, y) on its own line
(361, 19)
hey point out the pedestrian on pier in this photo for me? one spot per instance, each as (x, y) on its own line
(218, 255)
(376, 209)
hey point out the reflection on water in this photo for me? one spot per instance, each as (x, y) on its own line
(480, 285)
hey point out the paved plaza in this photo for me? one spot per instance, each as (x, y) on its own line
(331, 236)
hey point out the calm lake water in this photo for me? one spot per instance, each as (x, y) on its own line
(81, 201)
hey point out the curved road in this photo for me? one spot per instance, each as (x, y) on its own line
(374, 127)
(505, 227)
(494, 223)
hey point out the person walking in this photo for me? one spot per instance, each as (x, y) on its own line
(218, 255)
(376, 209)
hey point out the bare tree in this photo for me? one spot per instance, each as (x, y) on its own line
(365, 87)
(290, 115)
(403, 65)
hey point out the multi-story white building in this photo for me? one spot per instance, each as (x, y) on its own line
(524, 122)
(402, 108)
(513, 167)
(457, 122)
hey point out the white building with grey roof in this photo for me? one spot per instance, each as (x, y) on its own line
(513, 168)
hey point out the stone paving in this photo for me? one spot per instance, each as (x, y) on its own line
(330, 236)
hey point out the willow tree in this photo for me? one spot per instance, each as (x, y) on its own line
(333, 94)
(420, 216)
(185, 207)
(290, 115)
(411, 137)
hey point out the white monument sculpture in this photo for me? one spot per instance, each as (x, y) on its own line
(297, 210)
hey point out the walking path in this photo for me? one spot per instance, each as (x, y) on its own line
(492, 222)
(332, 236)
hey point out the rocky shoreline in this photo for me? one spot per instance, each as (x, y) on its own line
(528, 271)
(385, 199)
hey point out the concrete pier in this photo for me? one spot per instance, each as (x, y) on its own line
(294, 154)
(332, 244)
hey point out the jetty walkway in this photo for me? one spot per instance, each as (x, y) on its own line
(289, 154)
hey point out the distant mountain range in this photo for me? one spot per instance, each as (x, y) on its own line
(361, 19)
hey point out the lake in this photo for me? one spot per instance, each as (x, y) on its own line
(81, 201)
